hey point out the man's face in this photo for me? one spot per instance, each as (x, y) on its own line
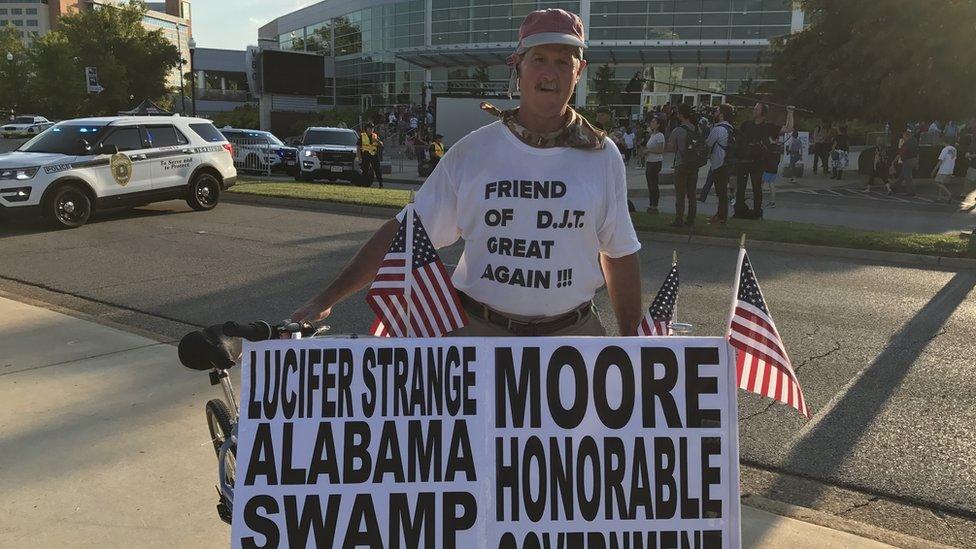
(757, 111)
(547, 78)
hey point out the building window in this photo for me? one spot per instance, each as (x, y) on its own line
(3, 11)
(31, 11)
(18, 22)
(16, 11)
(32, 22)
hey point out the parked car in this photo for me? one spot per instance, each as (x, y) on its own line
(26, 124)
(79, 167)
(329, 153)
(261, 151)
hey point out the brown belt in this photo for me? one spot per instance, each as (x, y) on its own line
(521, 327)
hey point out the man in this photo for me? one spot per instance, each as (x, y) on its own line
(685, 167)
(436, 150)
(540, 200)
(369, 144)
(908, 156)
(630, 143)
(754, 141)
(945, 168)
(820, 146)
(718, 142)
(603, 120)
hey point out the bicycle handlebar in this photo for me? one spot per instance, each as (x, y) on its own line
(262, 331)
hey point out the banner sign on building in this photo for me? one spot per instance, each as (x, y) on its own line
(252, 64)
(571, 443)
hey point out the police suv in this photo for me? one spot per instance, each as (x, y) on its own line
(78, 167)
(328, 153)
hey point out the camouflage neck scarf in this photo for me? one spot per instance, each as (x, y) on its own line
(578, 133)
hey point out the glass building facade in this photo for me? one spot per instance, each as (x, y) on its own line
(392, 50)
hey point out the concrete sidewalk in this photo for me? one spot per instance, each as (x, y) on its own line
(103, 443)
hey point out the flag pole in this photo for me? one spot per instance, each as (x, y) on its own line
(674, 261)
(735, 284)
(408, 268)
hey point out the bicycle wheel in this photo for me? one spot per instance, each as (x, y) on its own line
(221, 426)
(220, 422)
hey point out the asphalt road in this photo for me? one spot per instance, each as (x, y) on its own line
(884, 353)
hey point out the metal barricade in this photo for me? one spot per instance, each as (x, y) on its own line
(255, 155)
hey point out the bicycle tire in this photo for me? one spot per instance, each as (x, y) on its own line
(221, 424)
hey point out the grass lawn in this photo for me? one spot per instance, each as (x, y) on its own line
(769, 230)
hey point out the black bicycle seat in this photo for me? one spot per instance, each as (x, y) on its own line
(209, 348)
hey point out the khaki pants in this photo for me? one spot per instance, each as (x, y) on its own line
(477, 327)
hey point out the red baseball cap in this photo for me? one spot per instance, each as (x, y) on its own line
(551, 26)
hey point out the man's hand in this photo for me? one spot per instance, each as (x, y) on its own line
(357, 274)
(313, 311)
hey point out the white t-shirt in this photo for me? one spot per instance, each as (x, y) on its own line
(656, 140)
(948, 158)
(534, 221)
(629, 139)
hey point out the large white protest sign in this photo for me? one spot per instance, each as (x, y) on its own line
(588, 443)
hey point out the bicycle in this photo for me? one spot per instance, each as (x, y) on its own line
(218, 349)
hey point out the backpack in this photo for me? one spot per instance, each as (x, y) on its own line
(695, 154)
(730, 147)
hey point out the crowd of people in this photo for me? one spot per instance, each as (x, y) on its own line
(707, 135)
(759, 147)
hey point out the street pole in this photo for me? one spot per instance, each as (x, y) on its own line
(10, 70)
(182, 85)
(193, 81)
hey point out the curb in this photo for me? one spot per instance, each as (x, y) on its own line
(873, 256)
(842, 524)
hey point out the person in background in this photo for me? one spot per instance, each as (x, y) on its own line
(967, 157)
(640, 151)
(754, 140)
(945, 168)
(820, 147)
(420, 145)
(685, 174)
(881, 165)
(908, 158)
(653, 160)
(630, 143)
(839, 153)
(436, 150)
(952, 130)
(794, 152)
(771, 167)
(603, 119)
(719, 162)
(369, 151)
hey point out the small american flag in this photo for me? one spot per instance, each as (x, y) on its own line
(657, 321)
(762, 365)
(415, 302)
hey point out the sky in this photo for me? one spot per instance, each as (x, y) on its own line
(233, 24)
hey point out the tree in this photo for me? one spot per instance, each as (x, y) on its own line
(132, 61)
(607, 89)
(13, 72)
(907, 60)
(245, 116)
